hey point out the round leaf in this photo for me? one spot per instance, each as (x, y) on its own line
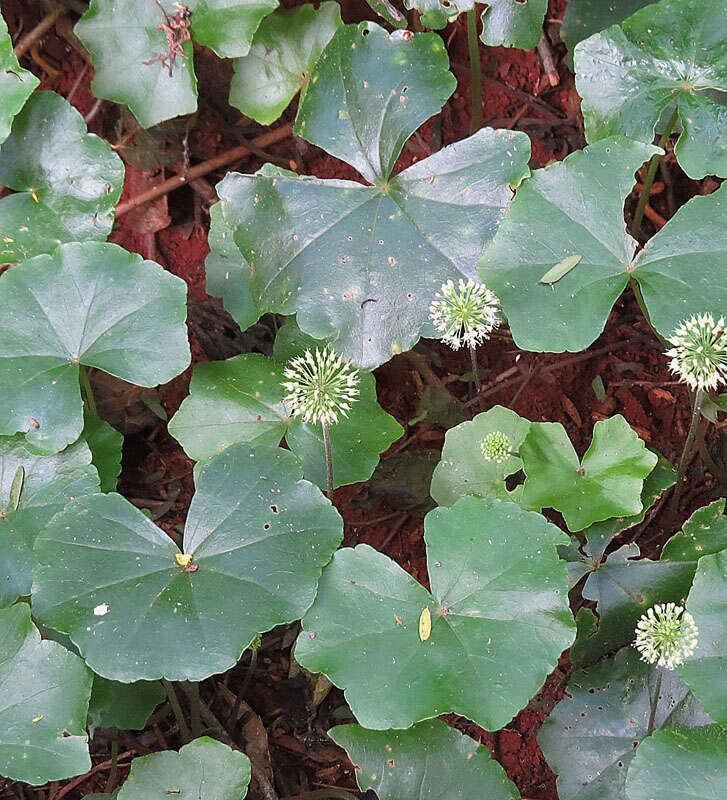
(44, 693)
(16, 83)
(285, 49)
(204, 769)
(463, 469)
(680, 764)
(241, 400)
(498, 590)
(429, 760)
(127, 706)
(590, 738)
(669, 52)
(228, 26)
(606, 483)
(67, 181)
(258, 537)
(94, 304)
(46, 484)
(513, 23)
(122, 35)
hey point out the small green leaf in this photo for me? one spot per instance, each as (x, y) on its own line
(16, 83)
(204, 769)
(513, 23)
(437, 13)
(607, 483)
(66, 181)
(16, 487)
(227, 26)
(429, 760)
(599, 389)
(138, 608)
(389, 12)
(583, 18)
(94, 304)
(498, 590)
(126, 706)
(285, 50)
(704, 533)
(44, 693)
(106, 444)
(563, 268)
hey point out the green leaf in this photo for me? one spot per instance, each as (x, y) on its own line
(705, 671)
(513, 23)
(44, 693)
(389, 12)
(121, 35)
(429, 760)
(606, 483)
(202, 770)
(704, 533)
(258, 536)
(362, 263)
(680, 764)
(67, 181)
(106, 444)
(668, 53)
(463, 469)
(498, 590)
(590, 738)
(285, 49)
(16, 83)
(49, 483)
(583, 18)
(127, 706)
(437, 13)
(227, 26)
(572, 207)
(94, 304)
(241, 400)
(290, 341)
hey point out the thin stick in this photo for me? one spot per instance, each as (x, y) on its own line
(69, 787)
(184, 731)
(655, 702)
(199, 170)
(651, 174)
(545, 51)
(87, 390)
(38, 31)
(192, 690)
(329, 458)
(696, 413)
(475, 369)
(475, 71)
(114, 770)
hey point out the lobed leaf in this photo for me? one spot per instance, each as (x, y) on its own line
(16, 83)
(513, 23)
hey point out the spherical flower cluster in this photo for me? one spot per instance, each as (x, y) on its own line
(465, 314)
(699, 354)
(666, 635)
(320, 386)
(496, 447)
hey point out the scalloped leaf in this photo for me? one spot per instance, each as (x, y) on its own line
(92, 304)
(16, 83)
(668, 53)
(498, 590)
(241, 400)
(513, 23)
(255, 541)
(228, 26)
(583, 18)
(704, 533)
(67, 181)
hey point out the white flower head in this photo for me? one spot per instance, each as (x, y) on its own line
(699, 354)
(320, 386)
(465, 313)
(666, 635)
(496, 447)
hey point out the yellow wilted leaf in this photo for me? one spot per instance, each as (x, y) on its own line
(425, 625)
(183, 559)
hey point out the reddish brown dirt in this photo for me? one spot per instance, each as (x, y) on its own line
(157, 474)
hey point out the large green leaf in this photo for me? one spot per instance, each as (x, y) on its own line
(241, 400)
(590, 738)
(583, 18)
(513, 23)
(204, 769)
(680, 764)
(668, 53)
(606, 483)
(362, 263)
(463, 469)
(94, 304)
(106, 444)
(498, 591)
(46, 484)
(573, 207)
(706, 670)
(258, 536)
(285, 49)
(430, 760)
(16, 83)
(44, 693)
(704, 533)
(67, 181)
(127, 706)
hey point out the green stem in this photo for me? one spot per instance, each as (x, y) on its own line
(475, 71)
(475, 368)
(87, 390)
(655, 701)
(329, 458)
(184, 731)
(114, 771)
(651, 174)
(696, 413)
(192, 690)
